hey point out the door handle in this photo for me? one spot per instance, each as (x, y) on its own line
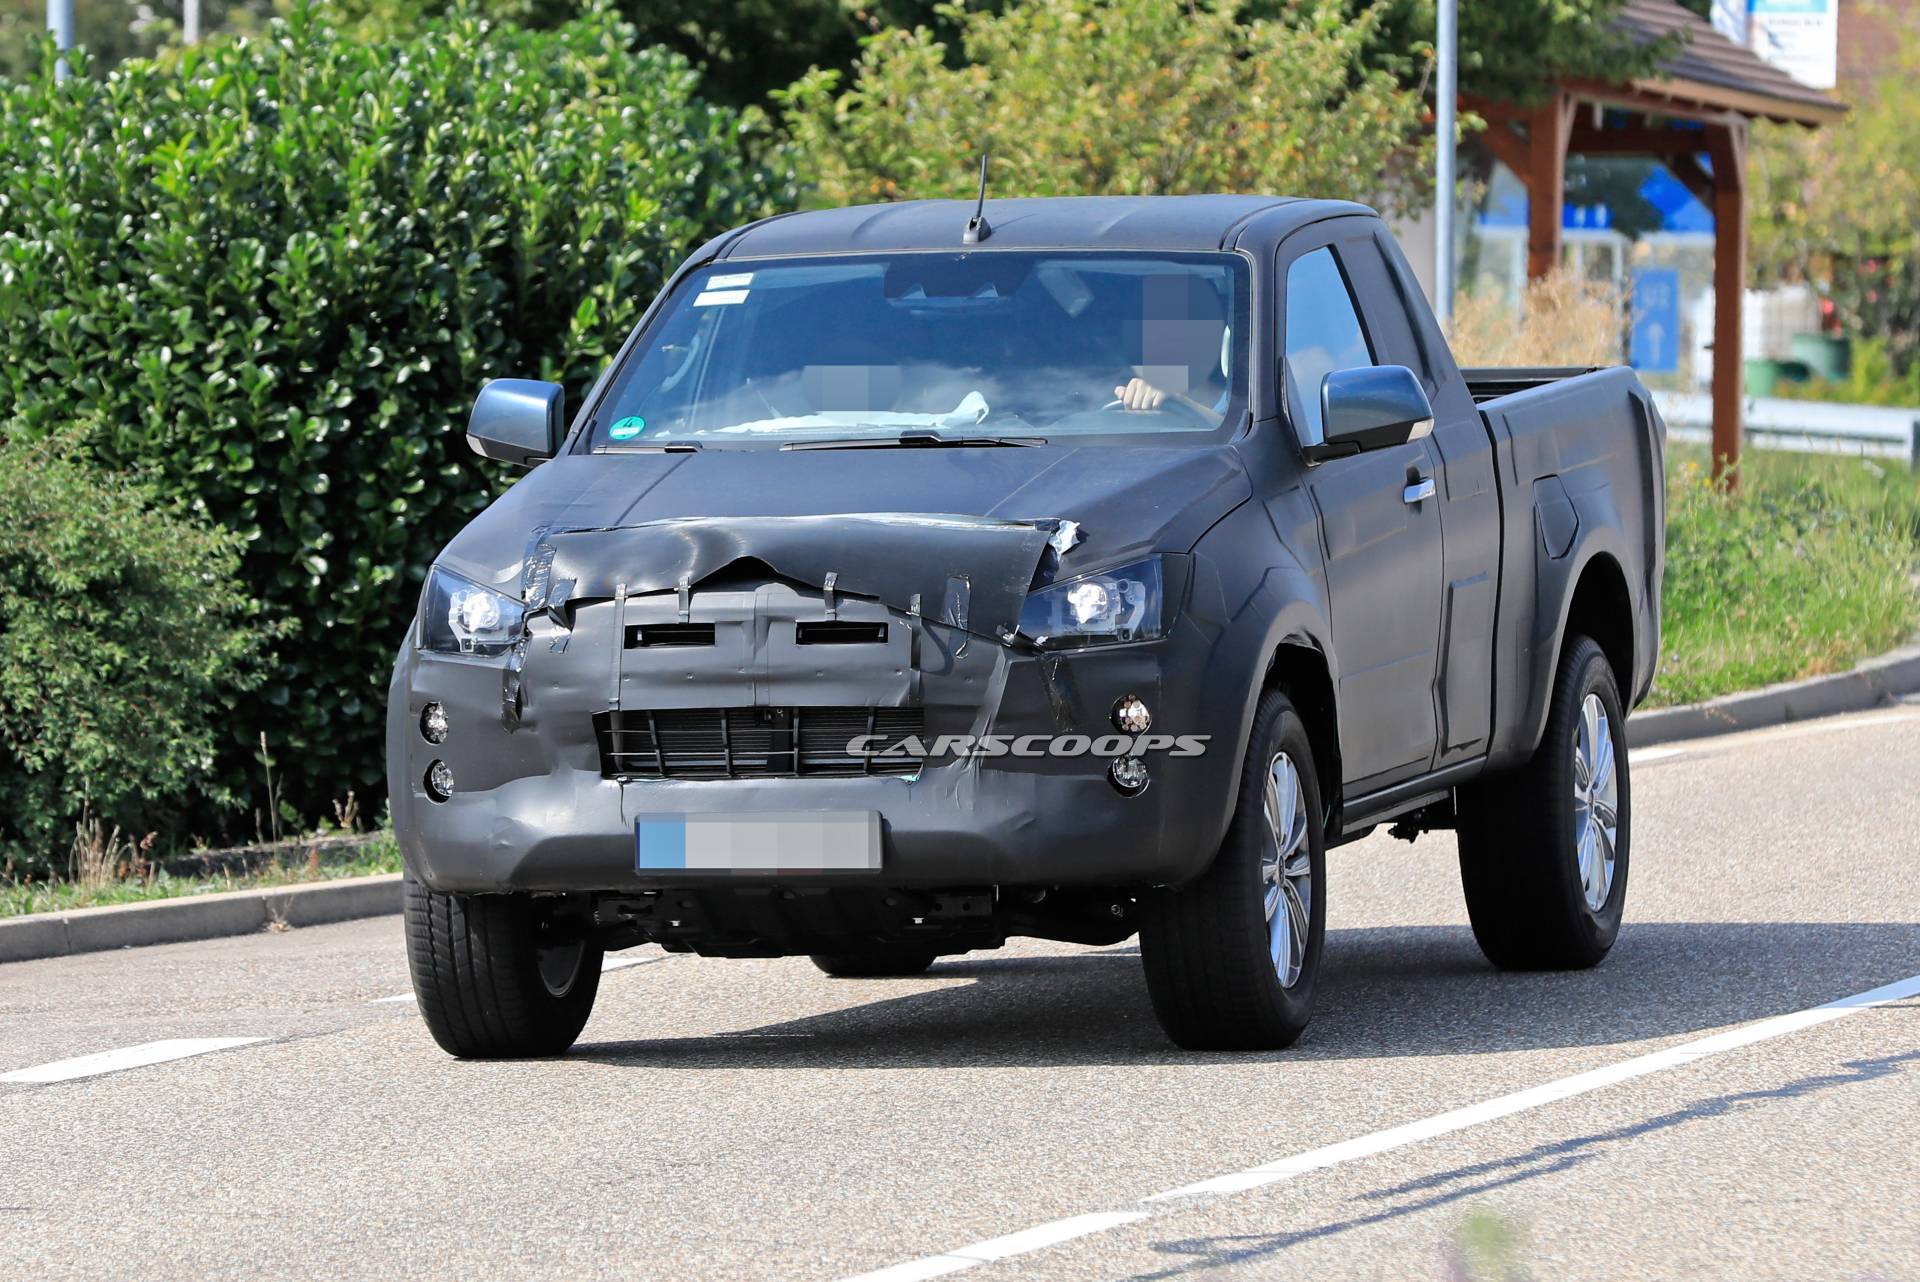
(1420, 489)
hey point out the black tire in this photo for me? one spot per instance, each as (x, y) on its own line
(878, 961)
(1206, 945)
(477, 963)
(1519, 856)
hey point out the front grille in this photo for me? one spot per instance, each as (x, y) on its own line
(752, 743)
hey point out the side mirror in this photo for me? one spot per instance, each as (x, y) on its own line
(1370, 408)
(518, 420)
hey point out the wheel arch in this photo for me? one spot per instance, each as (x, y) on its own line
(1596, 601)
(1299, 669)
(1600, 607)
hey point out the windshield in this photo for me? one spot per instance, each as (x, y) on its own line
(983, 346)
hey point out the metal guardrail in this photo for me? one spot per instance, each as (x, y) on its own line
(1811, 427)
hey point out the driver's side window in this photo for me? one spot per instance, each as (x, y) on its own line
(1323, 334)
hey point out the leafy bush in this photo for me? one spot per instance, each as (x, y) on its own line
(1806, 571)
(1092, 97)
(277, 272)
(124, 637)
(1871, 380)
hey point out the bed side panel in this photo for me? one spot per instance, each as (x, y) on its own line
(1582, 466)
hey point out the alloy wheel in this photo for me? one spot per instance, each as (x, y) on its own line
(1286, 870)
(1596, 801)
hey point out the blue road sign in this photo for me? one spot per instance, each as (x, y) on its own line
(1656, 320)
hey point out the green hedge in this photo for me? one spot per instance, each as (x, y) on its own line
(275, 271)
(125, 637)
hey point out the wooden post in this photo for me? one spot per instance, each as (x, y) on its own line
(1727, 146)
(1548, 128)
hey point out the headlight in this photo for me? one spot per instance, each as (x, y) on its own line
(1126, 604)
(458, 616)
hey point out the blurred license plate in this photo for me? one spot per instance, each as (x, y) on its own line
(802, 841)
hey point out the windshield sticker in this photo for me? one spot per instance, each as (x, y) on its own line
(720, 297)
(627, 428)
(739, 280)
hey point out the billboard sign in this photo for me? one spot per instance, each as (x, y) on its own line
(1801, 37)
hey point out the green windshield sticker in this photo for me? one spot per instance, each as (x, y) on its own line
(627, 428)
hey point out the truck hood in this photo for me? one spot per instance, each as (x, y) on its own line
(910, 526)
(913, 518)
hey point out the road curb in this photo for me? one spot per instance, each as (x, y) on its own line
(1872, 683)
(172, 921)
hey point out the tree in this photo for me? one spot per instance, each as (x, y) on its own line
(275, 272)
(745, 49)
(1843, 206)
(1114, 96)
(1510, 50)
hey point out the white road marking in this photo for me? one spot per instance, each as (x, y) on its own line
(140, 1056)
(1320, 1159)
(1646, 756)
(1734, 737)
(1001, 1248)
(606, 964)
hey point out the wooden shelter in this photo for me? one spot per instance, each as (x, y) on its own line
(1692, 113)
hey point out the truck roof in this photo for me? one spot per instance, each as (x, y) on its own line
(1050, 222)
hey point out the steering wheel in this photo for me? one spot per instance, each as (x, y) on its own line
(1171, 402)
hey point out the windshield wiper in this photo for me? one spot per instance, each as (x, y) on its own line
(655, 447)
(911, 440)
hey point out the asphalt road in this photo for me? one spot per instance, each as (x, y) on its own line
(755, 1120)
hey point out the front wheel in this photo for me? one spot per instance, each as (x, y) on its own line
(1232, 959)
(1543, 850)
(496, 976)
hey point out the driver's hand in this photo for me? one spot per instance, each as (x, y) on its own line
(1139, 394)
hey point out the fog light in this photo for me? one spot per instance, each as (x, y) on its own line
(1130, 714)
(439, 781)
(433, 723)
(1129, 774)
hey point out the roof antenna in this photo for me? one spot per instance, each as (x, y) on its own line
(978, 229)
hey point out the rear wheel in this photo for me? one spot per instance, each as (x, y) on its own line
(1543, 850)
(1232, 959)
(496, 976)
(879, 961)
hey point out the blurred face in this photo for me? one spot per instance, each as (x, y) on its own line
(1183, 334)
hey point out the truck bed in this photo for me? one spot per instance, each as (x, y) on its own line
(1582, 458)
(1489, 382)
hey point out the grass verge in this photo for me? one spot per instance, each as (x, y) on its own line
(380, 854)
(1808, 570)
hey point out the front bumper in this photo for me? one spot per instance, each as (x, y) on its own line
(532, 810)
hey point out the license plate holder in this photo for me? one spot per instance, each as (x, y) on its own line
(840, 841)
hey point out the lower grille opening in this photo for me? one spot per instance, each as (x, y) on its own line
(652, 634)
(754, 743)
(832, 632)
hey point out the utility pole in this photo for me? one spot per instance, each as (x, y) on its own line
(60, 23)
(1447, 96)
(190, 22)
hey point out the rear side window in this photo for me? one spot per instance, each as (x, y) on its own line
(1323, 334)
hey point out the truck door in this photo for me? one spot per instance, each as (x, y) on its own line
(1380, 525)
(1469, 500)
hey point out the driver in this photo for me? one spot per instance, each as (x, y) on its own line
(1184, 349)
